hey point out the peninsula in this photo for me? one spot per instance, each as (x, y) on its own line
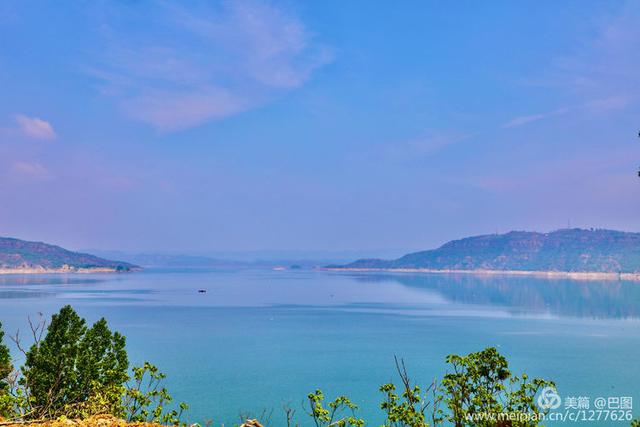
(24, 257)
(573, 253)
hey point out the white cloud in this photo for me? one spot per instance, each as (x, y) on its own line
(601, 75)
(597, 106)
(31, 170)
(33, 127)
(168, 110)
(427, 144)
(189, 66)
(523, 120)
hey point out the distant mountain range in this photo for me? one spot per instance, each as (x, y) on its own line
(36, 257)
(567, 250)
(154, 260)
(240, 259)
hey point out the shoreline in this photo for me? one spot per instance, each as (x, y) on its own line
(574, 275)
(62, 270)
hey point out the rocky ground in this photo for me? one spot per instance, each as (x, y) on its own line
(96, 421)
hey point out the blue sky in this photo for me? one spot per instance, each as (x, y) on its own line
(250, 125)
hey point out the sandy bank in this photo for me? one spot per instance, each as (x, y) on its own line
(574, 275)
(65, 269)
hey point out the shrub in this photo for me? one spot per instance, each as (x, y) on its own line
(5, 363)
(76, 372)
(341, 411)
(481, 383)
(72, 364)
(409, 408)
(6, 401)
(145, 398)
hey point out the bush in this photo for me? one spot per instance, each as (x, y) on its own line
(77, 371)
(72, 364)
(145, 398)
(409, 408)
(480, 383)
(5, 363)
(6, 402)
(341, 411)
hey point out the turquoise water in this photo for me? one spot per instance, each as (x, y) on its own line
(259, 339)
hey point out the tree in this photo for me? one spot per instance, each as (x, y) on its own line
(145, 398)
(102, 364)
(5, 363)
(335, 415)
(6, 400)
(481, 383)
(408, 408)
(72, 364)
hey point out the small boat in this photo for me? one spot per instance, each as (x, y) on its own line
(202, 291)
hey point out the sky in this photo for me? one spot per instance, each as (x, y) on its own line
(198, 126)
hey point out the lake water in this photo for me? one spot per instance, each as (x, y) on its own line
(258, 339)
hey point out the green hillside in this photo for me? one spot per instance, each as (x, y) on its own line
(567, 250)
(21, 254)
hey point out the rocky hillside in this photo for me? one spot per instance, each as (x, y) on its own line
(27, 256)
(567, 250)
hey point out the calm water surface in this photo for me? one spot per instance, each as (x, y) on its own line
(260, 339)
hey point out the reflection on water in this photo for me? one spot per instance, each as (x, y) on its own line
(21, 294)
(558, 297)
(390, 293)
(48, 279)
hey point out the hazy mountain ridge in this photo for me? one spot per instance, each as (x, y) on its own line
(566, 250)
(16, 254)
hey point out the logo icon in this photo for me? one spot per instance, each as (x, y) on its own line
(600, 403)
(549, 399)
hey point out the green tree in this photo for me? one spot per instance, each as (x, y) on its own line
(102, 364)
(335, 415)
(145, 398)
(73, 364)
(481, 383)
(6, 400)
(408, 408)
(5, 363)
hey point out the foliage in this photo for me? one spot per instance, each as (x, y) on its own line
(481, 383)
(77, 371)
(333, 416)
(407, 409)
(73, 364)
(6, 402)
(145, 399)
(5, 363)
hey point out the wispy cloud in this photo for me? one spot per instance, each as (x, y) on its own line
(205, 63)
(427, 144)
(33, 127)
(31, 170)
(596, 106)
(523, 120)
(601, 76)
